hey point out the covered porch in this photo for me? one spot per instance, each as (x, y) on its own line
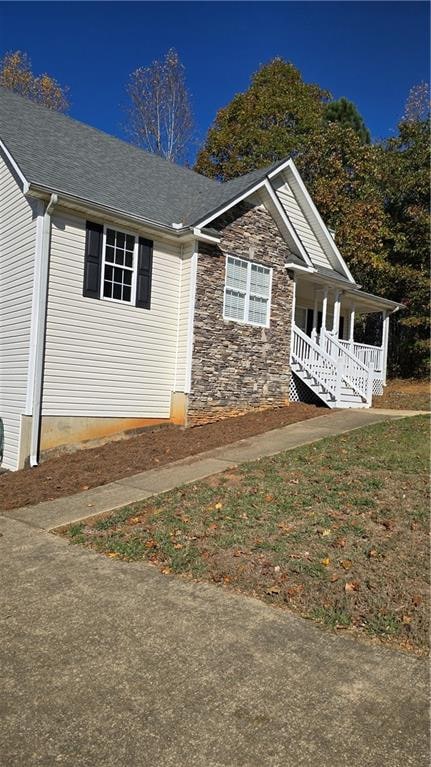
(325, 355)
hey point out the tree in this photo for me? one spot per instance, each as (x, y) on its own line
(345, 112)
(270, 120)
(405, 185)
(160, 116)
(343, 176)
(16, 75)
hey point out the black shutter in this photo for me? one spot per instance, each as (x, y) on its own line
(93, 260)
(145, 268)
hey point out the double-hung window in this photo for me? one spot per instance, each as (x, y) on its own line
(247, 293)
(119, 266)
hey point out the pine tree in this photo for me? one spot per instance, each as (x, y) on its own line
(345, 112)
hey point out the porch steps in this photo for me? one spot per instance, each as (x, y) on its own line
(334, 374)
(347, 397)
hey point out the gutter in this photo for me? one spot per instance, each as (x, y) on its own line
(41, 296)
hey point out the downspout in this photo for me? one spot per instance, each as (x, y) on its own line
(40, 331)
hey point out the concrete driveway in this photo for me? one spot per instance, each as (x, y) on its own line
(108, 663)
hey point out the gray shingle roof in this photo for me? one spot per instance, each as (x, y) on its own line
(64, 155)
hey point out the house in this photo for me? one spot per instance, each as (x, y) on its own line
(136, 292)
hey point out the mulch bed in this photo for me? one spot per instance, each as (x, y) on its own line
(405, 394)
(72, 472)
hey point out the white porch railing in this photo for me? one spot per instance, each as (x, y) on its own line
(366, 354)
(354, 372)
(315, 361)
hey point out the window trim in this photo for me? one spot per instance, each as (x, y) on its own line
(133, 269)
(268, 298)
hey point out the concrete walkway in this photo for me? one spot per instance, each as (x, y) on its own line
(63, 511)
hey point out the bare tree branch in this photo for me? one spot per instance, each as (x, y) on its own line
(160, 117)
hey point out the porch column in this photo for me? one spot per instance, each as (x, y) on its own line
(336, 323)
(324, 308)
(385, 341)
(352, 327)
(315, 316)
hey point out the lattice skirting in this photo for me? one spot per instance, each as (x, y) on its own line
(377, 387)
(299, 392)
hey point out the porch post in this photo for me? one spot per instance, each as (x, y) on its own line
(292, 324)
(315, 315)
(336, 322)
(352, 327)
(385, 341)
(324, 308)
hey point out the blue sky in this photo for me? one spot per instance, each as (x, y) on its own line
(370, 52)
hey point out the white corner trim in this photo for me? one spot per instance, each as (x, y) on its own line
(287, 223)
(178, 316)
(15, 166)
(191, 319)
(35, 307)
(38, 333)
(328, 237)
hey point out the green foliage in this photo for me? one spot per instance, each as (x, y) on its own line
(375, 196)
(345, 112)
(270, 120)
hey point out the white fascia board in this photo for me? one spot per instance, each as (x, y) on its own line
(205, 237)
(290, 166)
(298, 267)
(90, 208)
(10, 160)
(288, 225)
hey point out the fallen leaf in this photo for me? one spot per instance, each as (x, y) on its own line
(150, 544)
(113, 554)
(346, 564)
(85, 487)
(372, 553)
(178, 546)
(340, 543)
(417, 600)
(407, 619)
(269, 498)
(325, 561)
(273, 590)
(218, 505)
(212, 527)
(284, 527)
(334, 578)
(353, 586)
(327, 531)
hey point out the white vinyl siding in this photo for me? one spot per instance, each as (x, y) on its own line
(17, 248)
(302, 226)
(185, 318)
(108, 358)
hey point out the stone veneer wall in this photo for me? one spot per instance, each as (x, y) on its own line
(238, 367)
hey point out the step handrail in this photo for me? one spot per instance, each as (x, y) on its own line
(320, 354)
(365, 373)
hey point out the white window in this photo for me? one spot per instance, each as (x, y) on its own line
(247, 293)
(119, 266)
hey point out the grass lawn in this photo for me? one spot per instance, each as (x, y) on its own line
(336, 531)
